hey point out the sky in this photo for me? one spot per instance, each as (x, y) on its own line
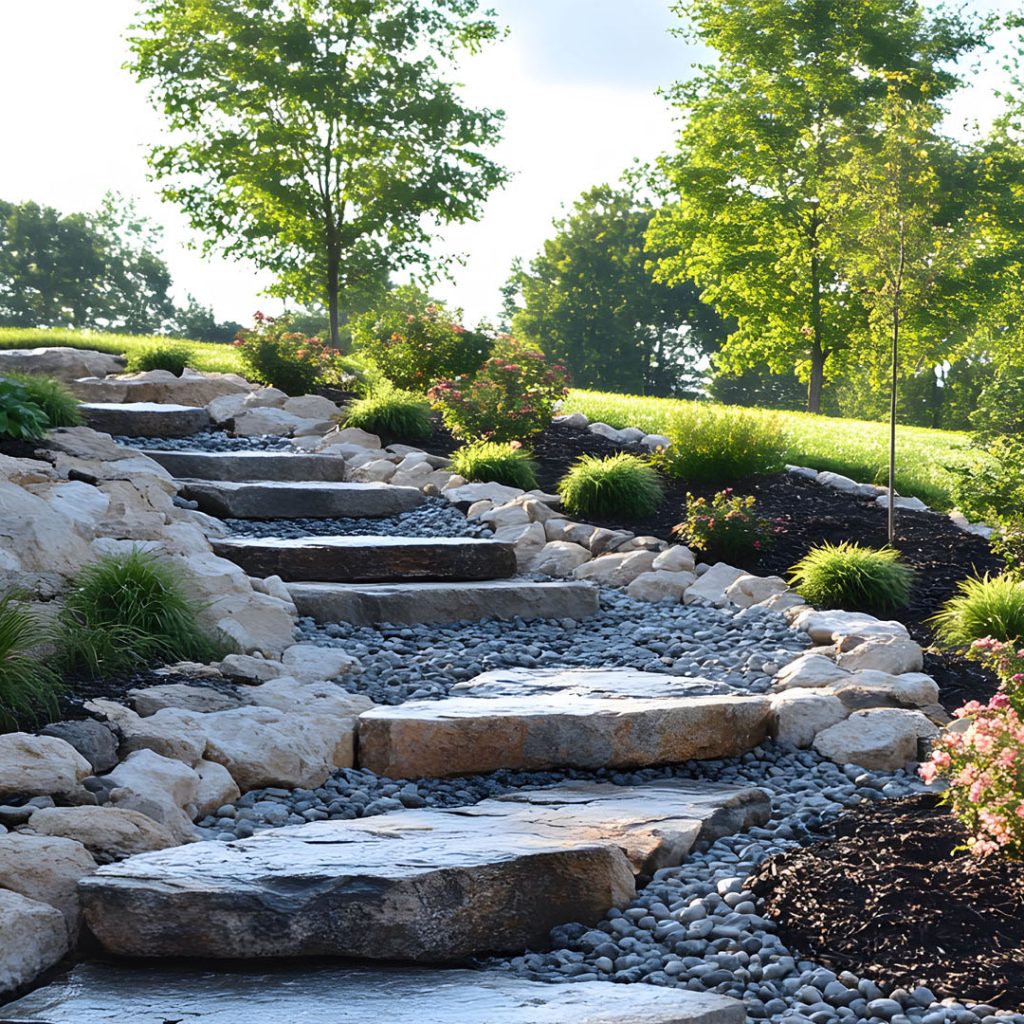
(578, 81)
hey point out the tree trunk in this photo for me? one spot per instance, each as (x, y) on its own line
(332, 297)
(892, 418)
(816, 383)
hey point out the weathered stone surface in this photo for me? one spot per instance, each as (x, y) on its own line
(712, 586)
(825, 626)
(310, 663)
(616, 570)
(216, 787)
(65, 364)
(469, 493)
(661, 586)
(799, 715)
(102, 994)
(162, 787)
(92, 739)
(559, 557)
(809, 670)
(872, 689)
(200, 699)
(883, 740)
(35, 937)
(749, 590)
(39, 765)
(892, 654)
(258, 421)
(170, 732)
(405, 603)
(536, 721)
(108, 833)
(282, 500)
(412, 885)
(145, 419)
(677, 558)
(239, 467)
(371, 559)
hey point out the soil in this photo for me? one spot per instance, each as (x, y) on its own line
(889, 896)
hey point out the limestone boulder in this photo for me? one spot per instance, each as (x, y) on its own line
(470, 493)
(749, 590)
(528, 539)
(35, 937)
(323, 699)
(884, 739)
(310, 663)
(38, 538)
(266, 398)
(509, 514)
(872, 689)
(711, 587)
(225, 408)
(616, 570)
(799, 715)
(255, 422)
(162, 787)
(197, 699)
(559, 558)
(809, 670)
(216, 787)
(247, 668)
(677, 558)
(351, 436)
(39, 765)
(108, 833)
(170, 732)
(374, 471)
(893, 654)
(312, 407)
(64, 364)
(661, 586)
(824, 627)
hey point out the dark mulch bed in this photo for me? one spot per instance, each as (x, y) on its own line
(888, 897)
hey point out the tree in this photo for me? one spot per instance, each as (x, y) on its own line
(198, 322)
(768, 129)
(319, 138)
(590, 302)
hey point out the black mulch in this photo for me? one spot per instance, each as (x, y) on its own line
(888, 898)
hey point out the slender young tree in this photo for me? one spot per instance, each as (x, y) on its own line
(322, 139)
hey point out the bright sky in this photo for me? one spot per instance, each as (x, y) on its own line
(577, 79)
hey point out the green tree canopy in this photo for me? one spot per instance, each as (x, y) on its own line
(320, 138)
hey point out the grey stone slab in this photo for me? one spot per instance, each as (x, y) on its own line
(238, 467)
(431, 885)
(337, 994)
(365, 604)
(274, 499)
(145, 419)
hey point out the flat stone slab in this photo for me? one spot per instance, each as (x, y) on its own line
(366, 604)
(573, 719)
(238, 467)
(431, 885)
(145, 419)
(273, 499)
(372, 559)
(106, 994)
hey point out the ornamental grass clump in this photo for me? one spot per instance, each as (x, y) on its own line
(985, 606)
(58, 404)
(126, 610)
(174, 358)
(493, 462)
(29, 687)
(619, 486)
(726, 527)
(853, 577)
(392, 412)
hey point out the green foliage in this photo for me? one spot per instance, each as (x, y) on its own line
(28, 686)
(20, 418)
(853, 577)
(510, 398)
(1008, 543)
(620, 486)
(391, 412)
(726, 527)
(712, 444)
(991, 487)
(274, 354)
(987, 606)
(1000, 408)
(493, 462)
(170, 357)
(126, 610)
(196, 321)
(59, 405)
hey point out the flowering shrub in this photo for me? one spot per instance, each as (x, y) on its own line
(727, 526)
(510, 398)
(412, 350)
(981, 757)
(275, 355)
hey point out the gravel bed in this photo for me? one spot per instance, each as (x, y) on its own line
(211, 441)
(413, 662)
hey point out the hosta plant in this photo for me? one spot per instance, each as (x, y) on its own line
(21, 419)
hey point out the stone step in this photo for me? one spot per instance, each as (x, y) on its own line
(336, 994)
(370, 559)
(239, 467)
(427, 885)
(282, 500)
(145, 419)
(365, 604)
(536, 721)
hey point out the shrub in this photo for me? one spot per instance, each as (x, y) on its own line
(991, 487)
(28, 687)
(413, 350)
(510, 398)
(131, 609)
(617, 486)
(987, 606)
(713, 445)
(1008, 543)
(59, 405)
(853, 577)
(172, 357)
(726, 527)
(393, 412)
(280, 357)
(494, 462)
(20, 418)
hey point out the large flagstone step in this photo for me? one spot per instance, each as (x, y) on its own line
(371, 559)
(239, 467)
(145, 419)
(285, 500)
(338, 994)
(366, 604)
(428, 885)
(534, 721)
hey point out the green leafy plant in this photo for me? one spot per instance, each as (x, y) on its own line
(991, 487)
(617, 486)
(853, 577)
(59, 405)
(29, 687)
(986, 606)
(510, 398)
(495, 462)
(280, 357)
(392, 412)
(172, 357)
(20, 418)
(728, 526)
(711, 444)
(131, 609)
(1008, 543)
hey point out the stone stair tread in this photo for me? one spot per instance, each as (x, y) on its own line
(145, 419)
(422, 885)
(248, 466)
(527, 721)
(283, 499)
(368, 558)
(99, 993)
(367, 604)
